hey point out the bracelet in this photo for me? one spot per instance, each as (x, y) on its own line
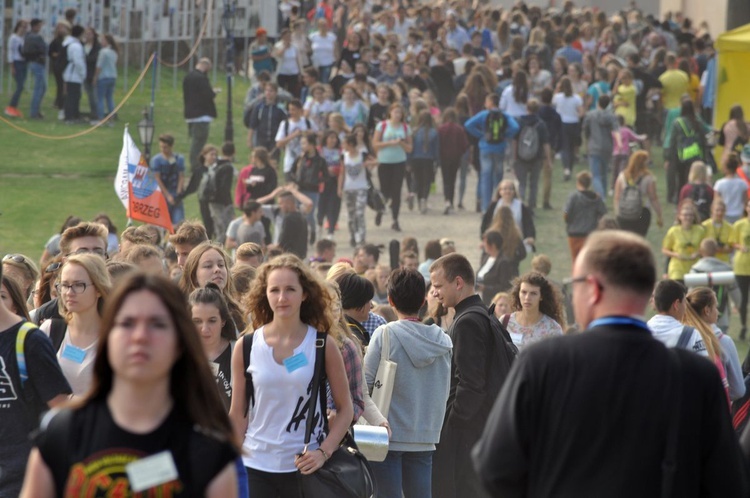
(323, 451)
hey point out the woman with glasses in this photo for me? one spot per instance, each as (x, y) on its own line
(22, 270)
(682, 241)
(82, 288)
(153, 415)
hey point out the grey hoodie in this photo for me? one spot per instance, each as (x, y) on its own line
(420, 392)
(598, 126)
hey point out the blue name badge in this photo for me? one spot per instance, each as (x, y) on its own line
(74, 354)
(295, 362)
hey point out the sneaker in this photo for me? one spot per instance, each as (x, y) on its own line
(61, 115)
(378, 218)
(448, 210)
(423, 206)
(396, 227)
(566, 175)
(13, 112)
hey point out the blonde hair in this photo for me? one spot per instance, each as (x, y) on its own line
(96, 269)
(339, 269)
(698, 172)
(697, 300)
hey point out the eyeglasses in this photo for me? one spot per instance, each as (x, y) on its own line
(85, 250)
(76, 288)
(18, 258)
(53, 267)
(574, 280)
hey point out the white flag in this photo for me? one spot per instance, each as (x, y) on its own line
(129, 155)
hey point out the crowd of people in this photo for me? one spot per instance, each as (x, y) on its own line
(79, 58)
(195, 354)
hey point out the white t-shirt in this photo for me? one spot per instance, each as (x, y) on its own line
(288, 64)
(293, 148)
(355, 176)
(276, 428)
(733, 192)
(509, 105)
(76, 364)
(323, 49)
(567, 107)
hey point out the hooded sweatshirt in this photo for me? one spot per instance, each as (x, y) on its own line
(582, 212)
(420, 392)
(667, 329)
(598, 126)
(75, 71)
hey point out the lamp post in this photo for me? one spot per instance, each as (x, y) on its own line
(146, 133)
(227, 20)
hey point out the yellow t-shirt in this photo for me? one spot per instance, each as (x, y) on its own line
(626, 94)
(741, 235)
(674, 84)
(722, 234)
(694, 85)
(685, 243)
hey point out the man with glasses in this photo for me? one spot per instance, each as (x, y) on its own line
(611, 411)
(86, 237)
(24, 393)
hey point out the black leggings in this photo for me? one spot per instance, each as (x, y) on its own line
(271, 485)
(743, 282)
(329, 205)
(423, 175)
(448, 170)
(391, 176)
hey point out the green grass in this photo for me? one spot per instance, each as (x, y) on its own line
(43, 181)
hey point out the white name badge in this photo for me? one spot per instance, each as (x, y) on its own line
(151, 471)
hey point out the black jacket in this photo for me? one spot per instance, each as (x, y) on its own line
(309, 172)
(293, 236)
(197, 95)
(34, 48)
(499, 278)
(581, 402)
(224, 182)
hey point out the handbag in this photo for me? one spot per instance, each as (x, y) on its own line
(347, 473)
(382, 389)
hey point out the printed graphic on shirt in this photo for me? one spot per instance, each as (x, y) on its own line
(103, 475)
(300, 413)
(7, 391)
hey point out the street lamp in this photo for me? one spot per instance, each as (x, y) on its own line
(228, 19)
(146, 133)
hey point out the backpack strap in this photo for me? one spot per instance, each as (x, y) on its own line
(505, 319)
(687, 133)
(57, 332)
(23, 372)
(247, 348)
(685, 335)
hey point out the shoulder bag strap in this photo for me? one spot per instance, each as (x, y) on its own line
(386, 347)
(669, 463)
(320, 347)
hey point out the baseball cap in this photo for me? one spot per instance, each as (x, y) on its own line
(745, 155)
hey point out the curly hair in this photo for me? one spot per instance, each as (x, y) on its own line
(315, 309)
(550, 303)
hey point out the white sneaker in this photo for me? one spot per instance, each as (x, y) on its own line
(61, 115)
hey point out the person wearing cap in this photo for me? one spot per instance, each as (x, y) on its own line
(35, 51)
(260, 52)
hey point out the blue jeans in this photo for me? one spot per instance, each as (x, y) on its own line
(105, 89)
(20, 77)
(490, 175)
(314, 196)
(528, 176)
(176, 212)
(40, 87)
(407, 472)
(598, 166)
(324, 73)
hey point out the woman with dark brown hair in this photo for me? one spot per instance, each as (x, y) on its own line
(537, 310)
(153, 404)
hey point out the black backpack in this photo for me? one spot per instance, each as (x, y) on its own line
(699, 194)
(495, 126)
(504, 353)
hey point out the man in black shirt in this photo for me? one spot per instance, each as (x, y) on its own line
(22, 400)
(648, 87)
(290, 225)
(476, 376)
(605, 412)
